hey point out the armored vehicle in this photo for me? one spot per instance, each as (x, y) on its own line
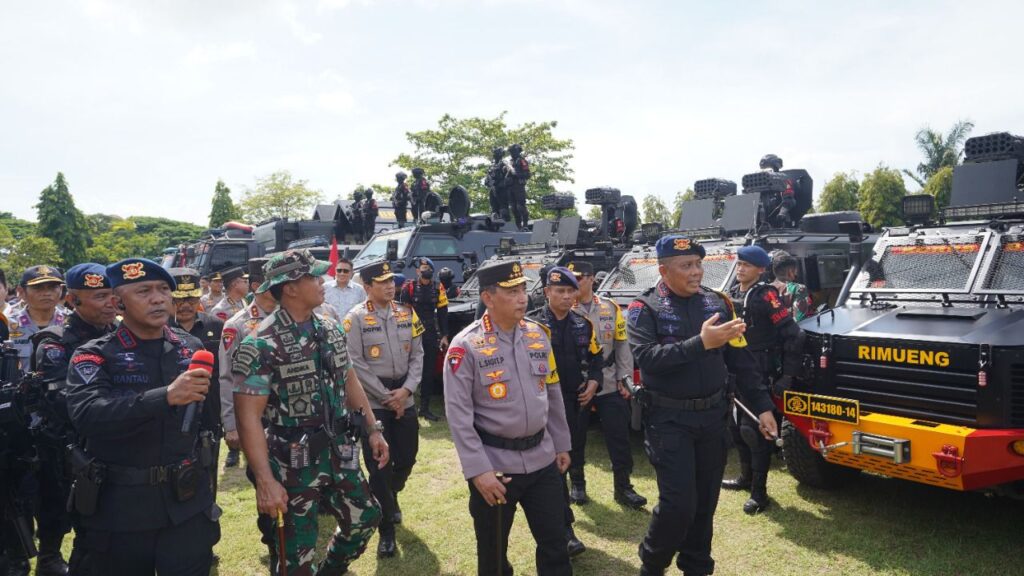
(918, 371)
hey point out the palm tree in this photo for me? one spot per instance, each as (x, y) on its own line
(939, 151)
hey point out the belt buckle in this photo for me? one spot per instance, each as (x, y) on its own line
(157, 475)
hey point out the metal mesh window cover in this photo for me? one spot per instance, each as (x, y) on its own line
(634, 274)
(1006, 272)
(919, 264)
(717, 267)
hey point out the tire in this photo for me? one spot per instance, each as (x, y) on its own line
(807, 465)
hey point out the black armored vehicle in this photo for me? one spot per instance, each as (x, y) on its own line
(918, 371)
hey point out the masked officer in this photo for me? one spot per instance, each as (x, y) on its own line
(420, 191)
(497, 183)
(356, 215)
(384, 340)
(507, 419)
(145, 501)
(579, 362)
(370, 212)
(400, 198)
(611, 401)
(517, 185)
(94, 315)
(295, 371)
(236, 286)
(41, 287)
(430, 300)
(686, 339)
(771, 331)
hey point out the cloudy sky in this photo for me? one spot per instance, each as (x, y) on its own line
(145, 104)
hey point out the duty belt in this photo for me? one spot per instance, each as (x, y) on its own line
(518, 444)
(688, 404)
(393, 383)
(316, 436)
(131, 476)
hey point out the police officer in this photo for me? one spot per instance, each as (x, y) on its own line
(507, 419)
(207, 328)
(147, 507)
(685, 339)
(770, 331)
(795, 295)
(611, 401)
(420, 190)
(370, 211)
(400, 197)
(447, 279)
(579, 362)
(497, 181)
(356, 215)
(295, 371)
(42, 288)
(215, 294)
(255, 278)
(385, 345)
(430, 300)
(94, 315)
(236, 286)
(517, 185)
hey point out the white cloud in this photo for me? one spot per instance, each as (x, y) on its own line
(298, 29)
(204, 54)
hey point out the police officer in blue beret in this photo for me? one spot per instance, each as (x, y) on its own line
(772, 333)
(686, 339)
(146, 500)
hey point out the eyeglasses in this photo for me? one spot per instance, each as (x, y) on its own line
(343, 271)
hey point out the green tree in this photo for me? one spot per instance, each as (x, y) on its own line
(594, 213)
(840, 193)
(61, 222)
(124, 240)
(940, 186)
(168, 232)
(677, 205)
(18, 228)
(939, 151)
(279, 196)
(100, 223)
(881, 196)
(458, 152)
(654, 210)
(223, 208)
(28, 251)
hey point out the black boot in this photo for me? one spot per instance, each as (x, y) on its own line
(232, 460)
(396, 518)
(574, 546)
(758, 501)
(425, 412)
(387, 547)
(577, 488)
(17, 567)
(624, 493)
(50, 562)
(742, 482)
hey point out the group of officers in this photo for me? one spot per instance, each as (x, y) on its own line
(305, 391)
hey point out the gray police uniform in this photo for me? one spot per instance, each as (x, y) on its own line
(505, 411)
(385, 345)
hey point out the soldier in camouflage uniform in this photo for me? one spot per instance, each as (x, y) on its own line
(295, 371)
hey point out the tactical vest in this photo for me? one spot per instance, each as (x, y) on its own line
(760, 333)
(424, 298)
(576, 341)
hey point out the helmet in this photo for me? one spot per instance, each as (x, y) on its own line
(771, 161)
(357, 195)
(369, 193)
(445, 275)
(417, 172)
(401, 176)
(515, 149)
(498, 152)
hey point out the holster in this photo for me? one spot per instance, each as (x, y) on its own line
(88, 476)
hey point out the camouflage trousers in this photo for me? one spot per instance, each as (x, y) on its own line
(332, 486)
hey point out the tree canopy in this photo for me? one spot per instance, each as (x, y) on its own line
(939, 150)
(654, 210)
(28, 251)
(16, 226)
(458, 152)
(222, 208)
(279, 195)
(940, 186)
(881, 197)
(677, 205)
(62, 222)
(840, 193)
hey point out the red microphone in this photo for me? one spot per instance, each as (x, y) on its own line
(203, 360)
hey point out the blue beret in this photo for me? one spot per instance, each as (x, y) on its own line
(132, 270)
(678, 245)
(754, 255)
(561, 276)
(427, 261)
(399, 280)
(87, 276)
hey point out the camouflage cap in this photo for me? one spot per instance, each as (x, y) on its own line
(291, 265)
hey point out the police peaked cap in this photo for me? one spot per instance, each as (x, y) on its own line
(504, 274)
(188, 283)
(579, 268)
(754, 255)
(559, 276)
(134, 270)
(87, 276)
(378, 272)
(231, 274)
(678, 245)
(36, 275)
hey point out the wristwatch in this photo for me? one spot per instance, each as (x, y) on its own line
(378, 426)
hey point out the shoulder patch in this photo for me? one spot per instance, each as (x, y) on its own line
(633, 312)
(454, 357)
(228, 336)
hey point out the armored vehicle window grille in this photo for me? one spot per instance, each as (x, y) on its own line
(1017, 395)
(634, 274)
(928, 263)
(717, 266)
(1007, 270)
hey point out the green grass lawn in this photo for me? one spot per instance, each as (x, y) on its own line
(875, 526)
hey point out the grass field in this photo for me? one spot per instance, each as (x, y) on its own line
(875, 526)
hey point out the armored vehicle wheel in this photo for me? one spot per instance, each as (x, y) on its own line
(807, 465)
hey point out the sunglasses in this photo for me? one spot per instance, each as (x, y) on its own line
(343, 271)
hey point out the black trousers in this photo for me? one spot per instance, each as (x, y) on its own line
(756, 458)
(613, 410)
(540, 495)
(688, 452)
(182, 550)
(578, 437)
(519, 210)
(400, 208)
(402, 435)
(428, 387)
